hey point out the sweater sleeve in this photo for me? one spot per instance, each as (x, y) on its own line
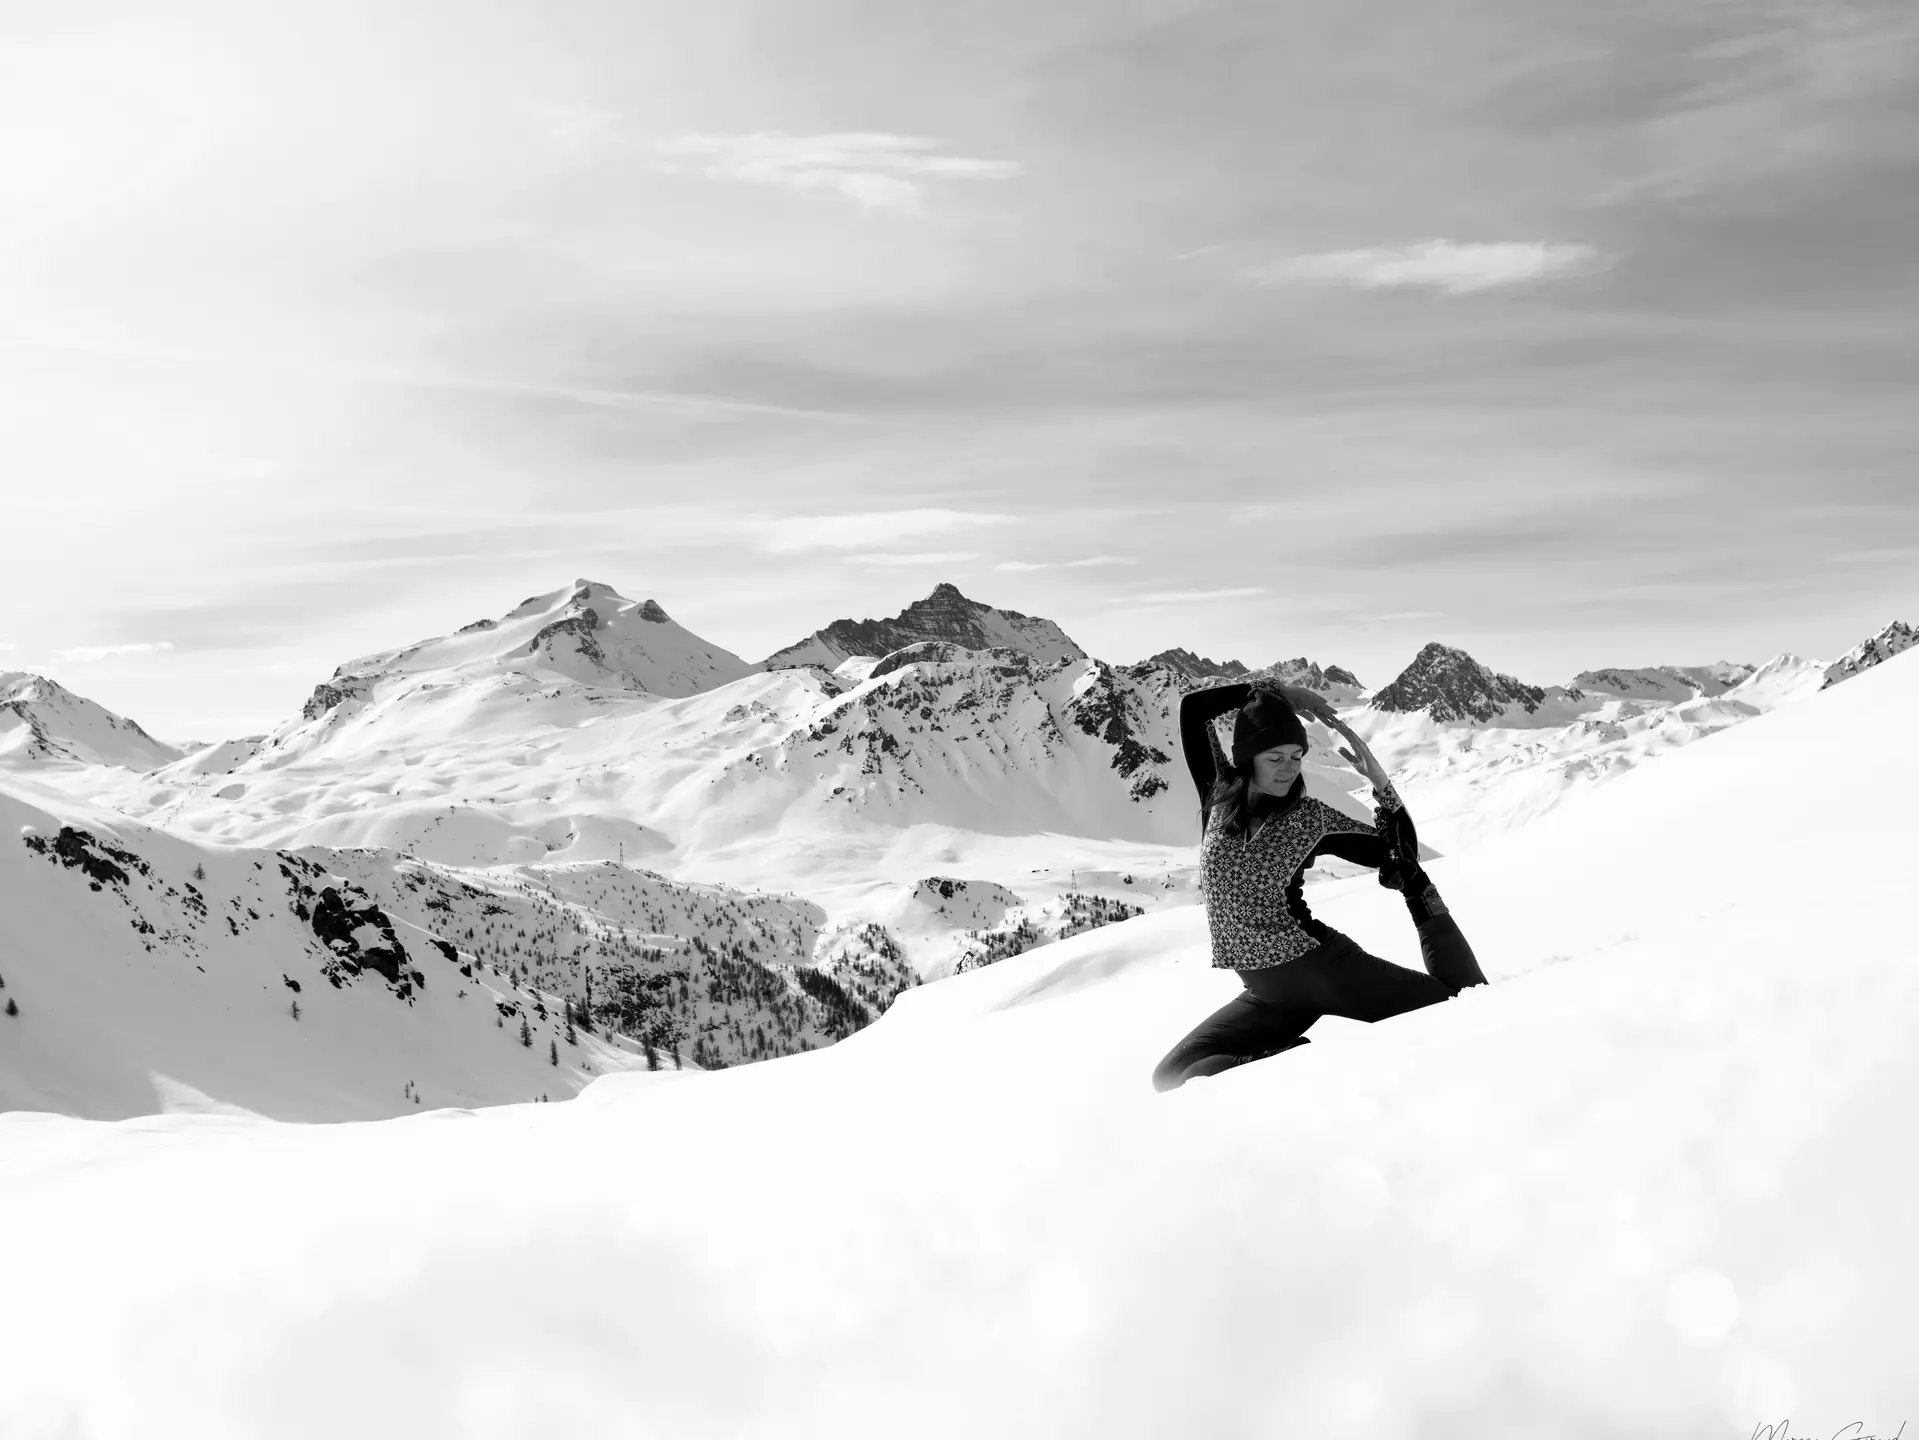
(1197, 711)
(1389, 845)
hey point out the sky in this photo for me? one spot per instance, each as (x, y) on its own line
(1572, 335)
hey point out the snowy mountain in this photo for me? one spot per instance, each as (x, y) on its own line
(1893, 640)
(1451, 686)
(42, 721)
(588, 634)
(1654, 1169)
(944, 615)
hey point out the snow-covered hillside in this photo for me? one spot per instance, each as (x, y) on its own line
(42, 722)
(149, 973)
(1654, 1179)
(147, 969)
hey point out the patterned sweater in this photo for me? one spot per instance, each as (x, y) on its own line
(1253, 884)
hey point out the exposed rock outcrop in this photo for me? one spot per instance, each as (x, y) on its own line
(343, 927)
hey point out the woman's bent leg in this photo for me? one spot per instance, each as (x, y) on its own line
(1449, 959)
(1345, 980)
(1245, 1028)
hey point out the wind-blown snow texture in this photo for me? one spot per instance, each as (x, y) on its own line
(1655, 1179)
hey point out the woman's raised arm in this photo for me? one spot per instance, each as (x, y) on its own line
(1197, 711)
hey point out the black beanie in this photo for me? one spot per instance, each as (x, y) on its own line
(1263, 722)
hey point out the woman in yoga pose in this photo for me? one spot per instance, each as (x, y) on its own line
(1260, 832)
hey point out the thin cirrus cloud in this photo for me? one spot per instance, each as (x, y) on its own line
(891, 560)
(1451, 266)
(1090, 562)
(1188, 597)
(876, 171)
(85, 654)
(868, 530)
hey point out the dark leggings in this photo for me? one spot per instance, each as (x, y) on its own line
(1339, 978)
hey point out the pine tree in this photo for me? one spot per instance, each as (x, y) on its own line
(526, 1033)
(12, 1009)
(199, 872)
(295, 1010)
(552, 1052)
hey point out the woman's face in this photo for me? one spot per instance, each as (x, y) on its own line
(1275, 770)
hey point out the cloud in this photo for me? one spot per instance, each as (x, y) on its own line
(1457, 268)
(866, 530)
(1844, 557)
(1404, 615)
(888, 558)
(1088, 563)
(877, 171)
(85, 654)
(1184, 597)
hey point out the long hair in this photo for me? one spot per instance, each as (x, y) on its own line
(1230, 804)
(1232, 800)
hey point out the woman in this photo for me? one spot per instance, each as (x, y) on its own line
(1260, 832)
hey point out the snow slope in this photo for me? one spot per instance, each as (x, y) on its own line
(1656, 1179)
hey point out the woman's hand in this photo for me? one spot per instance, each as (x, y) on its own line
(1359, 757)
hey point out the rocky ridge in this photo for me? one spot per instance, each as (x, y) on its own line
(1197, 668)
(1893, 640)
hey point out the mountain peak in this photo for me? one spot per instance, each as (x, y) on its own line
(40, 719)
(1451, 686)
(944, 615)
(588, 633)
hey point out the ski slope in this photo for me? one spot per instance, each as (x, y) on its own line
(1655, 1179)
